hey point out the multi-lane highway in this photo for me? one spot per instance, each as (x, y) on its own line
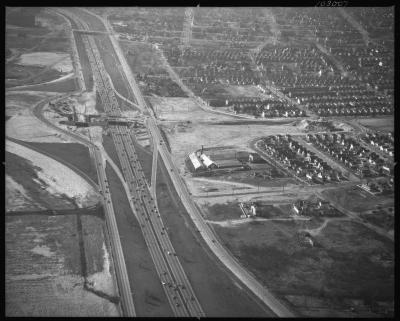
(227, 259)
(176, 284)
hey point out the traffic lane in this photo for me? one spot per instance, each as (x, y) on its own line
(158, 258)
(149, 296)
(176, 272)
(220, 251)
(213, 283)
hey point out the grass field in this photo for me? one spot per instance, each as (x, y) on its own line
(17, 75)
(149, 297)
(221, 212)
(54, 44)
(76, 154)
(355, 199)
(217, 292)
(384, 124)
(61, 86)
(347, 263)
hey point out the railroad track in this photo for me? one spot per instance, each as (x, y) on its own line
(177, 287)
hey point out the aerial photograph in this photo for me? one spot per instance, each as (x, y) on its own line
(199, 162)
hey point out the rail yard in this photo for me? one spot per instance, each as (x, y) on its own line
(239, 162)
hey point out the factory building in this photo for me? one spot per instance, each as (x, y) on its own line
(195, 161)
(207, 161)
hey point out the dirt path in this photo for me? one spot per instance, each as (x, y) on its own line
(236, 222)
(318, 230)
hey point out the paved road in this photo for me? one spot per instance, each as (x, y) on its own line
(206, 232)
(176, 285)
(120, 266)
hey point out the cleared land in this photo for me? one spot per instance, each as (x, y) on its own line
(142, 58)
(62, 86)
(349, 267)
(182, 109)
(185, 138)
(357, 200)
(75, 154)
(47, 262)
(52, 257)
(54, 177)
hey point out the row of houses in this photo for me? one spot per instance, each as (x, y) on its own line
(304, 163)
(348, 151)
(383, 141)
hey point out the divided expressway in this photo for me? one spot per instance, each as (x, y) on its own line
(176, 285)
(208, 235)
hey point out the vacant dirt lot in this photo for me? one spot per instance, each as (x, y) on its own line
(76, 154)
(142, 58)
(185, 138)
(182, 109)
(45, 274)
(349, 267)
(357, 200)
(54, 177)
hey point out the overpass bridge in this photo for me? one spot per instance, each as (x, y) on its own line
(90, 32)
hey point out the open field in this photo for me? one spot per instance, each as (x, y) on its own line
(218, 293)
(220, 91)
(348, 264)
(185, 138)
(356, 199)
(23, 125)
(27, 75)
(47, 59)
(182, 109)
(148, 294)
(45, 274)
(62, 86)
(30, 191)
(16, 101)
(142, 58)
(54, 44)
(73, 153)
(384, 124)
(52, 177)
